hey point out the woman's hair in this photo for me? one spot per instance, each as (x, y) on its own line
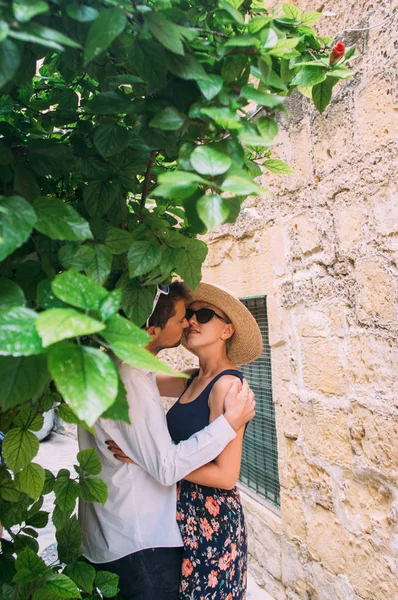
(165, 308)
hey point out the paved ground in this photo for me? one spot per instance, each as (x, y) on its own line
(59, 452)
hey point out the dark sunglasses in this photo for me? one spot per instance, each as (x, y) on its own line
(203, 315)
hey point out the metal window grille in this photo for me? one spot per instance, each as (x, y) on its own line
(259, 469)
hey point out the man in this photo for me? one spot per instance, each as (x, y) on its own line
(135, 534)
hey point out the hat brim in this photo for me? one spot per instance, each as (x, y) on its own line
(246, 343)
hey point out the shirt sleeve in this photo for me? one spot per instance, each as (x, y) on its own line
(147, 440)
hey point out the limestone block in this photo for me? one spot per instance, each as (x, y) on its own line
(327, 586)
(251, 276)
(293, 574)
(373, 368)
(281, 364)
(301, 160)
(349, 227)
(305, 234)
(377, 298)
(277, 317)
(288, 414)
(314, 483)
(378, 442)
(322, 367)
(332, 136)
(217, 251)
(380, 124)
(293, 517)
(385, 208)
(277, 242)
(367, 507)
(327, 541)
(326, 434)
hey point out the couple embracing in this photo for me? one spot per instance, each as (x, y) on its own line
(189, 458)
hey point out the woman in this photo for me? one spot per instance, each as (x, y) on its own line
(223, 334)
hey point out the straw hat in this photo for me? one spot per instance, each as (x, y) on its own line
(246, 344)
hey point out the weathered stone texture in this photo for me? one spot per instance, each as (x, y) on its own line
(324, 248)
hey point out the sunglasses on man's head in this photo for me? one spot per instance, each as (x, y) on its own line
(203, 315)
(160, 289)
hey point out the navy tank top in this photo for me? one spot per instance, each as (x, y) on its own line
(184, 420)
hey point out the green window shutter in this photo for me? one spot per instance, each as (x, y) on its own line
(259, 469)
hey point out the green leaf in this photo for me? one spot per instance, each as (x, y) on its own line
(45, 296)
(99, 197)
(82, 574)
(168, 119)
(111, 103)
(93, 489)
(111, 304)
(81, 13)
(58, 324)
(310, 18)
(78, 290)
(19, 447)
(109, 24)
(256, 24)
(48, 157)
(4, 30)
(63, 586)
(165, 32)
(31, 480)
(29, 418)
(69, 540)
(9, 61)
(8, 489)
(208, 161)
(322, 94)
(124, 336)
(224, 117)
(213, 210)
(262, 98)
(67, 414)
(189, 263)
(235, 14)
(118, 240)
(119, 410)
(210, 86)
(242, 186)
(21, 378)
(110, 139)
(17, 219)
(185, 67)
(32, 566)
(107, 583)
(100, 267)
(142, 257)
(284, 47)
(292, 12)
(25, 10)
(10, 294)
(51, 35)
(89, 461)
(60, 221)
(66, 491)
(309, 76)
(85, 377)
(18, 335)
(136, 301)
(267, 127)
(39, 520)
(128, 343)
(74, 256)
(278, 166)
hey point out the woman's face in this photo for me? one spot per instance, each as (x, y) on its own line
(216, 331)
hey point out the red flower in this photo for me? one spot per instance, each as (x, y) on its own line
(212, 505)
(336, 54)
(187, 567)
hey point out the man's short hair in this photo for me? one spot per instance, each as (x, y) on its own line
(165, 308)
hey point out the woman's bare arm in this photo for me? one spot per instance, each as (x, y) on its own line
(224, 471)
(172, 387)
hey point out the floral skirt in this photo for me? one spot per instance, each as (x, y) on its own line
(212, 525)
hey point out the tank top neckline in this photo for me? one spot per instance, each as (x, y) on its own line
(204, 389)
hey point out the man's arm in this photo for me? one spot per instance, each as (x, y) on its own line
(147, 440)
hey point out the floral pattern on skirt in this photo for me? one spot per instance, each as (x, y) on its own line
(212, 525)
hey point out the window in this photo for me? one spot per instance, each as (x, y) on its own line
(259, 470)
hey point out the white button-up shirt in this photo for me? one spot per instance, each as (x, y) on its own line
(140, 511)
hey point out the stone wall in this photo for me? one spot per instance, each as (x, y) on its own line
(324, 249)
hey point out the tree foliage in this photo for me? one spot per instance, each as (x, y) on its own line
(126, 130)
